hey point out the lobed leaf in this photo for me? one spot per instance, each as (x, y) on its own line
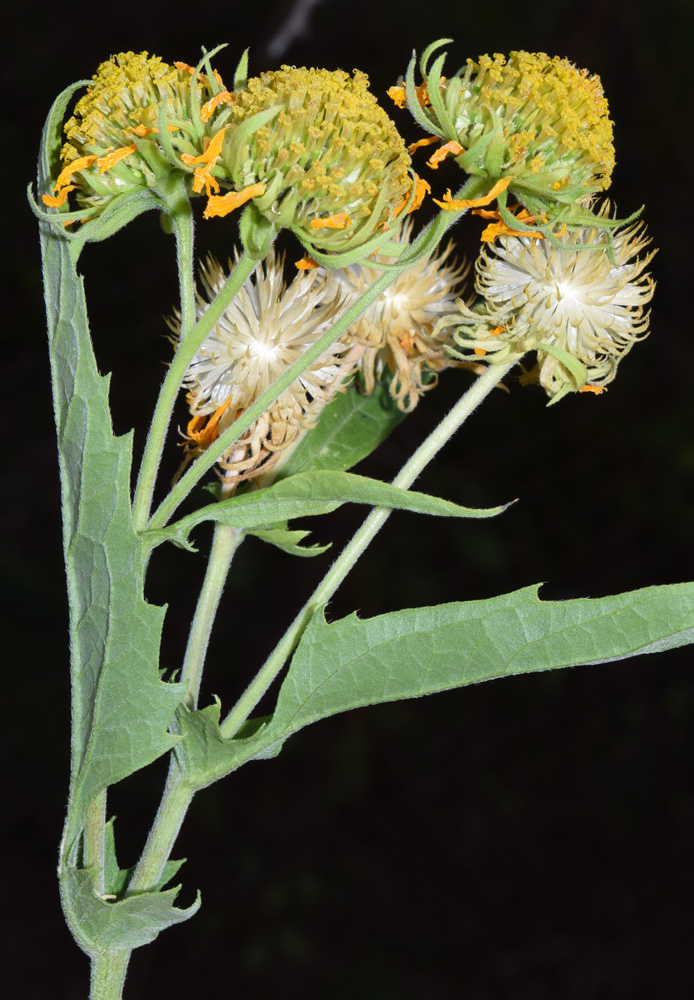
(120, 706)
(406, 654)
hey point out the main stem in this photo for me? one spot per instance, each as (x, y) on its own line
(358, 543)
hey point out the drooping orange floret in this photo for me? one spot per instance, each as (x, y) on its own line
(105, 163)
(338, 221)
(454, 148)
(221, 205)
(451, 204)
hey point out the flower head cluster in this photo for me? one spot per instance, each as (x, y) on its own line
(397, 331)
(535, 120)
(266, 328)
(330, 162)
(579, 305)
(310, 149)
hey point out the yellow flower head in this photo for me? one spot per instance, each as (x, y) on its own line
(320, 154)
(579, 305)
(113, 143)
(535, 119)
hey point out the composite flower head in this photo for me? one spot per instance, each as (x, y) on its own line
(318, 153)
(534, 119)
(113, 144)
(580, 306)
(397, 330)
(267, 327)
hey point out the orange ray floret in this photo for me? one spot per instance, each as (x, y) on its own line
(207, 110)
(55, 201)
(423, 142)
(62, 186)
(398, 95)
(105, 163)
(451, 204)
(597, 389)
(338, 221)
(454, 148)
(144, 130)
(306, 264)
(422, 188)
(202, 431)
(213, 150)
(222, 204)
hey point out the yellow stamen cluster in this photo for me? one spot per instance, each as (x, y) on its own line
(535, 119)
(334, 166)
(101, 158)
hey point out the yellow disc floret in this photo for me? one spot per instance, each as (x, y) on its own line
(334, 166)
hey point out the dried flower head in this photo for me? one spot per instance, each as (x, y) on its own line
(112, 143)
(318, 153)
(397, 330)
(534, 119)
(581, 305)
(264, 330)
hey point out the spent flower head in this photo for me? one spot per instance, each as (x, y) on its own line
(534, 120)
(266, 328)
(397, 329)
(579, 305)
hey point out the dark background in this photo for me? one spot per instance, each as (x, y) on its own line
(530, 838)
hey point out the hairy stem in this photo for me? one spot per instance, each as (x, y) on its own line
(357, 544)
(224, 543)
(95, 840)
(108, 975)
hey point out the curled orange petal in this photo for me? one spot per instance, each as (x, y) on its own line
(55, 201)
(338, 221)
(454, 148)
(306, 264)
(105, 163)
(211, 153)
(207, 110)
(451, 204)
(423, 142)
(222, 204)
(66, 174)
(398, 95)
(597, 389)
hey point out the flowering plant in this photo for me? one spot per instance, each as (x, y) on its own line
(292, 379)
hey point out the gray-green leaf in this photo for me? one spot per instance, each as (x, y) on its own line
(352, 663)
(307, 494)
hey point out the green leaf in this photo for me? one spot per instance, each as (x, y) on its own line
(352, 663)
(349, 429)
(203, 755)
(116, 879)
(120, 707)
(305, 495)
(289, 541)
(102, 925)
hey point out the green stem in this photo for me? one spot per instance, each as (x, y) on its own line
(189, 343)
(95, 840)
(108, 975)
(430, 236)
(173, 807)
(358, 543)
(224, 543)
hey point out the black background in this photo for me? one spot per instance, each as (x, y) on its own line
(530, 838)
